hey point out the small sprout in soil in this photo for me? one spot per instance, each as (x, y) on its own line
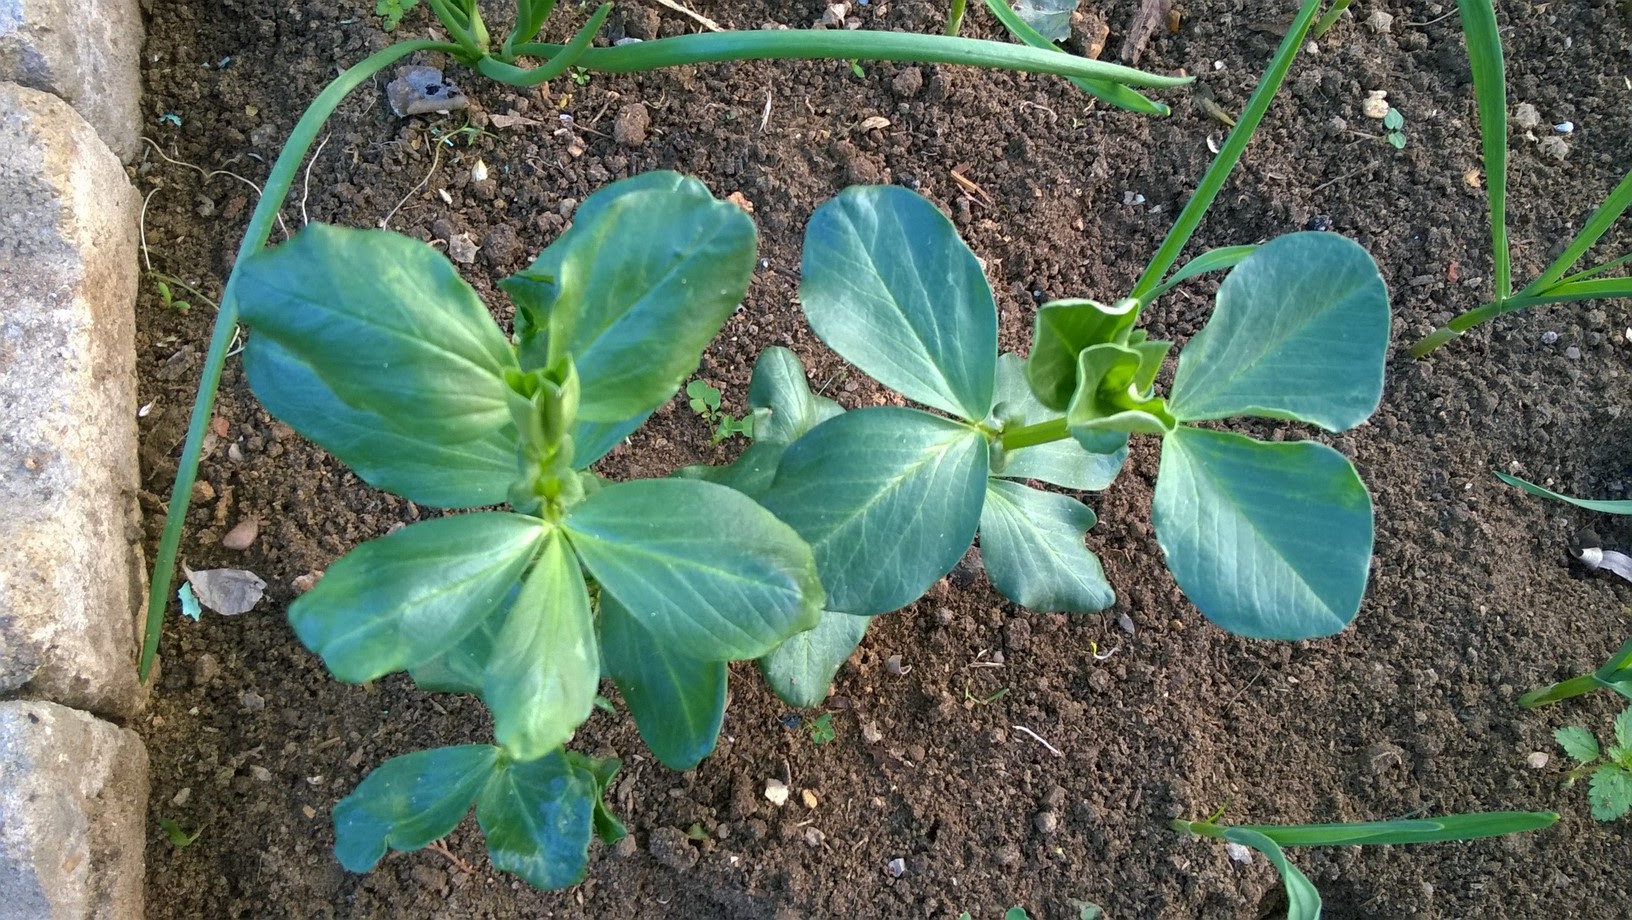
(1395, 123)
(983, 700)
(1610, 789)
(855, 69)
(169, 299)
(821, 729)
(179, 838)
(392, 11)
(704, 400)
(580, 76)
(1303, 900)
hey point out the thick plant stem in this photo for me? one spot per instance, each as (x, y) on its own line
(226, 320)
(1040, 433)
(954, 16)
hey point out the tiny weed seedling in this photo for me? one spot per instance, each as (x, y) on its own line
(580, 76)
(1394, 123)
(1557, 283)
(1303, 900)
(855, 69)
(169, 299)
(821, 729)
(704, 400)
(392, 11)
(178, 838)
(1610, 789)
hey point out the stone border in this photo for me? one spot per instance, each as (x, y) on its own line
(73, 782)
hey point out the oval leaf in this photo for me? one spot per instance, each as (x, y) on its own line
(1269, 541)
(431, 469)
(409, 801)
(538, 817)
(541, 679)
(386, 324)
(1065, 462)
(888, 499)
(700, 566)
(890, 286)
(678, 703)
(1031, 544)
(1300, 332)
(801, 670)
(403, 599)
(648, 273)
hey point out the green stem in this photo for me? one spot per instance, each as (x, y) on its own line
(1041, 433)
(1563, 690)
(1199, 828)
(1327, 21)
(1234, 145)
(863, 45)
(226, 319)
(954, 18)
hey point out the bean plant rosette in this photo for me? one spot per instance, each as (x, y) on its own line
(1269, 540)
(370, 344)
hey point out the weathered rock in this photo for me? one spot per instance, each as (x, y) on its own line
(73, 793)
(70, 576)
(85, 52)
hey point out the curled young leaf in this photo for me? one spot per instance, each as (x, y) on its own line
(1063, 328)
(1112, 396)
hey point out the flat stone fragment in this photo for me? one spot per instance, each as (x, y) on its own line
(70, 573)
(86, 52)
(73, 795)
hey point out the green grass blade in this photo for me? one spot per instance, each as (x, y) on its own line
(1234, 145)
(1212, 260)
(1113, 93)
(1431, 830)
(1614, 670)
(1490, 90)
(1598, 270)
(1597, 225)
(1591, 504)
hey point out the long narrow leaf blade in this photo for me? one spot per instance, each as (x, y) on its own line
(1302, 898)
(1597, 225)
(1445, 829)
(1106, 91)
(1591, 504)
(1490, 90)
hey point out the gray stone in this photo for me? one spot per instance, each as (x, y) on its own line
(73, 795)
(86, 52)
(71, 575)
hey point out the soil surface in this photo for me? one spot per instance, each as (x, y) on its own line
(1411, 711)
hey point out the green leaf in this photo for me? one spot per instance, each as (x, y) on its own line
(386, 324)
(780, 386)
(433, 469)
(1578, 743)
(401, 600)
(1063, 463)
(678, 703)
(751, 473)
(801, 669)
(1210, 261)
(889, 500)
(1605, 506)
(1623, 728)
(607, 825)
(700, 566)
(1300, 332)
(704, 398)
(1269, 541)
(1116, 94)
(1031, 543)
(538, 817)
(1610, 792)
(648, 273)
(460, 668)
(1443, 829)
(409, 801)
(1302, 899)
(593, 440)
(890, 286)
(1112, 397)
(1063, 328)
(542, 676)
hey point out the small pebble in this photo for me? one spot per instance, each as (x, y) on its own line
(252, 701)
(205, 669)
(1572, 353)
(1046, 822)
(1565, 127)
(630, 125)
(1126, 622)
(1525, 116)
(1554, 147)
(181, 798)
(814, 837)
(261, 773)
(1375, 104)
(1238, 853)
(1549, 337)
(776, 791)
(242, 536)
(896, 867)
(810, 799)
(870, 733)
(1380, 22)
(671, 847)
(1538, 759)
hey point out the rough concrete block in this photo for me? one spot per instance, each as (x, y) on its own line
(70, 573)
(73, 800)
(86, 52)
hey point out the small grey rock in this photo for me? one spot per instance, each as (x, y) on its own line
(461, 248)
(1017, 634)
(1549, 337)
(1525, 116)
(625, 848)
(252, 701)
(1046, 822)
(205, 669)
(671, 847)
(1572, 353)
(897, 867)
(1554, 147)
(629, 128)
(421, 91)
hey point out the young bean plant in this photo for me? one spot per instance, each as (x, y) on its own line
(504, 61)
(1557, 283)
(1303, 900)
(369, 343)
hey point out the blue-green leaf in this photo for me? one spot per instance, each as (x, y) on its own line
(648, 273)
(678, 703)
(1300, 332)
(1063, 328)
(1064, 463)
(801, 669)
(538, 817)
(889, 500)
(1031, 544)
(409, 801)
(386, 324)
(1302, 899)
(401, 600)
(1604, 506)
(1113, 396)
(890, 286)
(700, 566)
(593, 440)
(541, 678)
(1269, 541)
(780, 387)
(460, 668)
(433, 470)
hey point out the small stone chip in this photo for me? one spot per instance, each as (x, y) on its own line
(810, 799)
(776, 791)
(1538, 760)
(243, 535)
(896, 867)
(421, 91)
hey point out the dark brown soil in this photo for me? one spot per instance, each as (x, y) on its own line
(1410, 711)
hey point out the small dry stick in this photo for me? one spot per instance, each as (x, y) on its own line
(437, 846)
(702, 20)
(211, 175)
(306, 184)
(1040, 740)
(436, 159)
